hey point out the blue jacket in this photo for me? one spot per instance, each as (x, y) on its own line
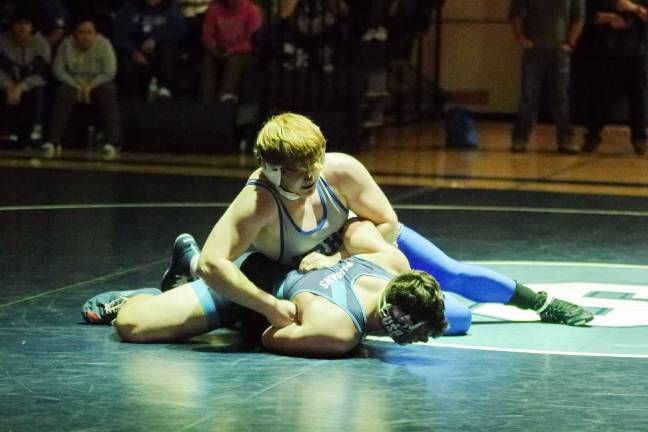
(136, 21)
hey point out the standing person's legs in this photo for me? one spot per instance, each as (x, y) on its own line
(64, 102)
(534, 64)
(635, 90)
(106, 98)
(560, 72)
(598, 90)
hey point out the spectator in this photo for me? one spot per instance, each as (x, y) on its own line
(49, 17)
(85, 65)
(194, 12)
(227, 38)
(101, 11)
(24, 66)
(616, 50)
(547, 32)
(146, 35)
(319, 27)
(369, 19)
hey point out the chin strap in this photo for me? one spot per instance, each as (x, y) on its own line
(273, 173)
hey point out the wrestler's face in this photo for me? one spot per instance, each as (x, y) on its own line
(85, 35)
(299, 180)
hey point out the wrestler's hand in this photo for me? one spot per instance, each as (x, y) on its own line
(316, 260)
(284, 313)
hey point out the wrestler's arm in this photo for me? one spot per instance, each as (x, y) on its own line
(361, 237)
(234, 232)
(321, 330)
(363, 195)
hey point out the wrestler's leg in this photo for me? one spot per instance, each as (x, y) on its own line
(471, 281)
(485, 285)
(182, 312)
(458, 316)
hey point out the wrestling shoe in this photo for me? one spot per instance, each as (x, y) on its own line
(179, 271)
(553, 310)
(103, 308)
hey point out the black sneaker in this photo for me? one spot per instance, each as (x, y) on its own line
(553, 310)
(179, 272)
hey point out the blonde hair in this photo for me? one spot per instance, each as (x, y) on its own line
(290, 140)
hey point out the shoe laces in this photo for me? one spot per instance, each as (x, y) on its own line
(115, 305)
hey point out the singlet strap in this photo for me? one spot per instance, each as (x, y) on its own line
(280, 209)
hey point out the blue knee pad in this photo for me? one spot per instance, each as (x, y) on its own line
(458, 316)
(219, 311)
(474, 282)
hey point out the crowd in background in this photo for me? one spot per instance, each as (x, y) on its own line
(55, 54)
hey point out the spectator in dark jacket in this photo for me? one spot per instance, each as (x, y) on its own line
(146, 36)
(616, 51)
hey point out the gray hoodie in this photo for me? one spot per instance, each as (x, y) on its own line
(95, 66)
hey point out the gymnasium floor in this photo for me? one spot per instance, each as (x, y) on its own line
(575, 226)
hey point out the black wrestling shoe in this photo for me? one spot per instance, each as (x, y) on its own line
(556, 311)
(179, 271)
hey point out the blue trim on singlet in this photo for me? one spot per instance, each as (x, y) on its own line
(256, 182)
(333, 195)
(207, 303)
(321, 223)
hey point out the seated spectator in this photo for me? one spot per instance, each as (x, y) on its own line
(146, 35)
(227, 38)
(319, 26)
(369, 19)
(194, 12)
(50, 18)
(24, 66)
(85, 65)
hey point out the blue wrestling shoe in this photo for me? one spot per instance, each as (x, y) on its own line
(103, 308)
(561, 312)
(179, 271)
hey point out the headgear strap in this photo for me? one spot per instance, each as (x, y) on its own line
(273, 173)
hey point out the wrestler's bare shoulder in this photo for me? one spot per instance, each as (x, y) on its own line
(257, 199)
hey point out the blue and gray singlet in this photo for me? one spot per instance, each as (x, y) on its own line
(335, 283)
(325, 238)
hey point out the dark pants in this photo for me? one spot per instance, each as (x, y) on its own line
(224, 73)
(21, 119)
(540, 65)
(105, 96)
(133, 78)
(606, 77)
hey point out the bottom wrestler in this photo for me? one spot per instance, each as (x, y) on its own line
(369, 293)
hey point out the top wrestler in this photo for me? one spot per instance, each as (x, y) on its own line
(298, 201)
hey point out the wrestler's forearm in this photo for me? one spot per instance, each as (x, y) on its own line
(388, 231)
(224, 277)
